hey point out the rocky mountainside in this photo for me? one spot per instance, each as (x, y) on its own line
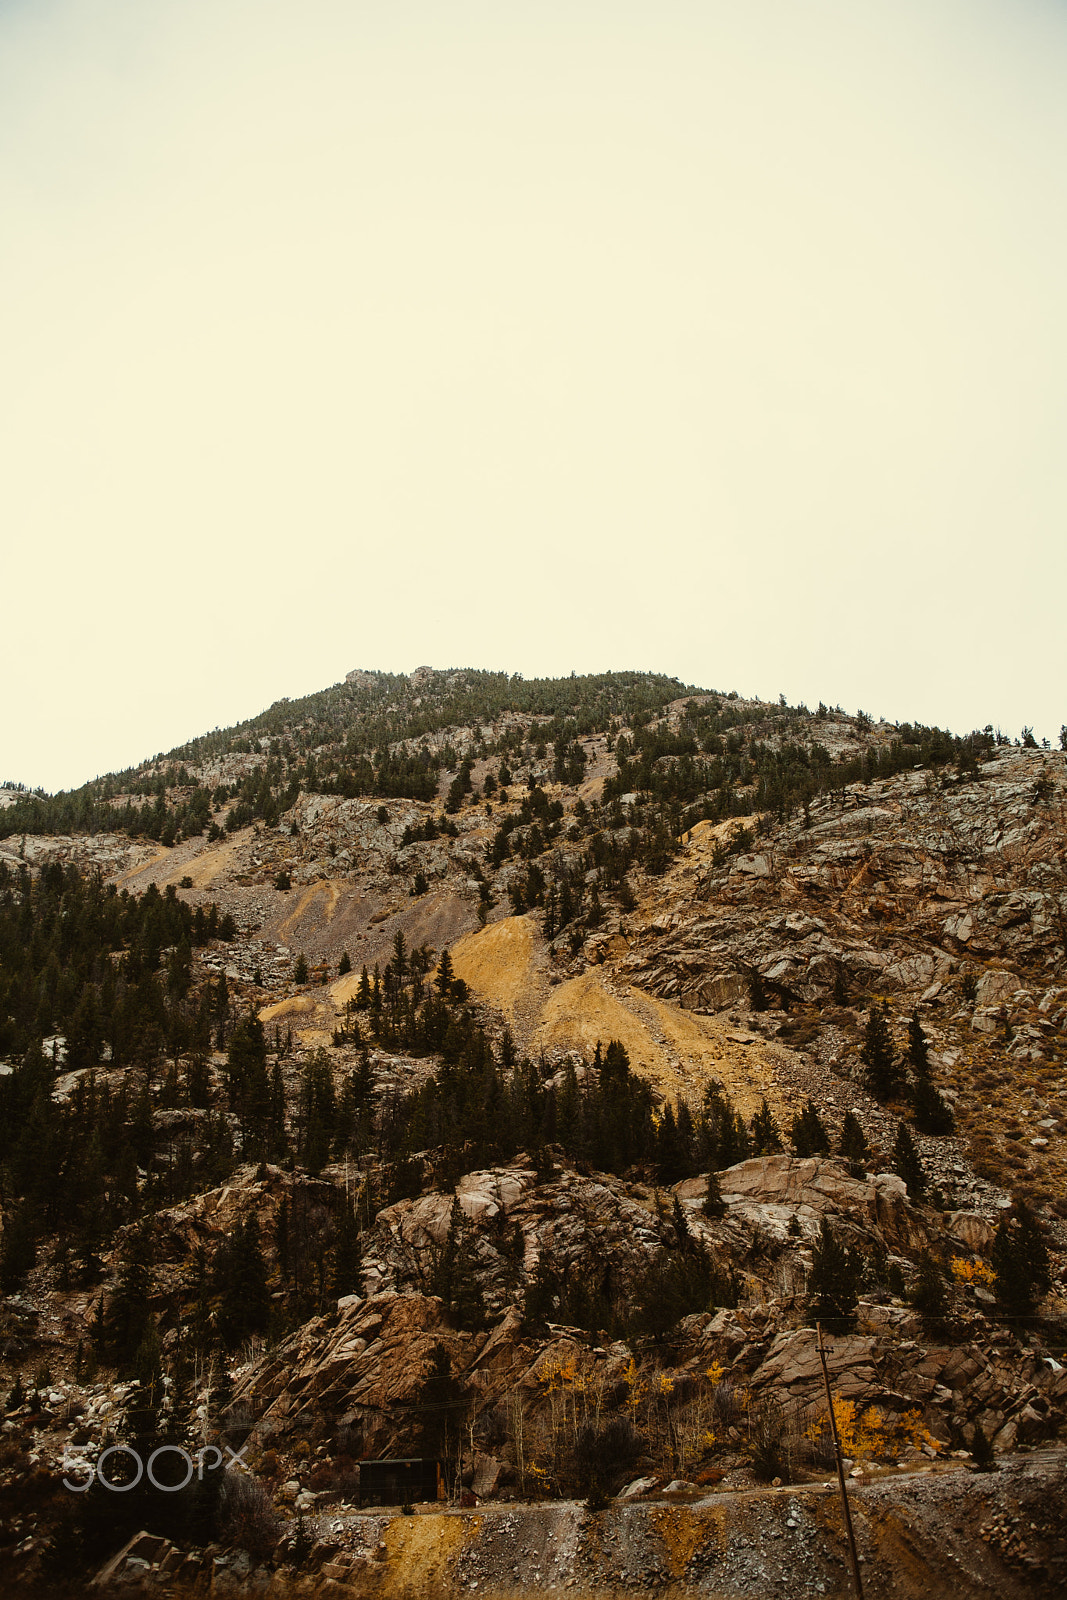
(512, 1073)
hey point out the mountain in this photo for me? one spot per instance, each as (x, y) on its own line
(507, 1072)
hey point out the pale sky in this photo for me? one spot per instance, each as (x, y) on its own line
(721, 339)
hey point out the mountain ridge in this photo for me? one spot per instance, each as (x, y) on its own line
(421, 1055)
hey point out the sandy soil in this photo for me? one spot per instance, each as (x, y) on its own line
(188, 860)
(506, 964)
(323, 897)
(297, 1005)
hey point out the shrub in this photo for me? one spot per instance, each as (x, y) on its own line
(247, 1517)
(771, 1442)
(982, 1451)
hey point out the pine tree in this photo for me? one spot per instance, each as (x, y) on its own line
(241, 1275)
(906, 1163)
(932, 1114)
(853, 1144)
(445, 976)
(318, 1110)
(883, 1077)
(982, 1451)
(928, 1294)
(766, 1139)
(452, 1276)
(346, 1260)
(667, 1151)
(249, 1088)
(127, 1317)
(18, 1248)
(1020, 1261)
(277, 1143)
(681, 1225)
(918, 1050)
(400, 955)
(714, 1205)
(807, 1133)
(833, 1286)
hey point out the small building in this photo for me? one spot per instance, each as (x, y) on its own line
(401, 1482)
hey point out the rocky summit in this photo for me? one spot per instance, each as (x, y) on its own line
(455, 1128)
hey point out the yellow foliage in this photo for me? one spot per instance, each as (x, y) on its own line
(558, 1374)
(873, 1433)
(635, 1385)
(716, 1372)
(972, 1271)
(665, 1384)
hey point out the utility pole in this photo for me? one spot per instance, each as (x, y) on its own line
(854, 1559)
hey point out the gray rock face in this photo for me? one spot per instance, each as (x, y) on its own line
(882, 867)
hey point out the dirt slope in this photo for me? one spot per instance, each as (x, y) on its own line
(506, 965)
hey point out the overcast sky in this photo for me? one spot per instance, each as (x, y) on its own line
(723, 340)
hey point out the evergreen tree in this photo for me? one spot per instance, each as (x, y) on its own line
(318, 1112)
(714, 1204)
(853, 1144)
(928, 1294)
(277, 1144)
(241, 1276)
(1020, 1261)
(984, 1457)
(907, 1164)
(249, 1089)
(932, 1114)
(345, 1258)
(452, 1275)
(918, 1050)
(883, 1078)
(766, 1139)
(833, 1286)
(807, 1134)
(681, 1225)
(668, 1153)
(127, 1318)
(445, 976)
(18, 1247)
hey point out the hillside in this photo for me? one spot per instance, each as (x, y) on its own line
(510, 1072)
